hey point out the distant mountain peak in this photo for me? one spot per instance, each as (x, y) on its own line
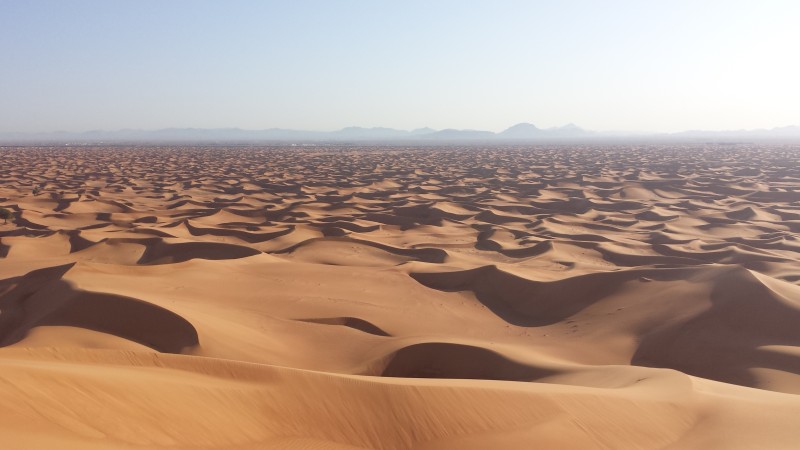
(522, 130)
(521, 126)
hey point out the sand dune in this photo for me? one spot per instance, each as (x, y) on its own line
(392, 298)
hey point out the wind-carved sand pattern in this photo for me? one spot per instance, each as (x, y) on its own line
(393, 298)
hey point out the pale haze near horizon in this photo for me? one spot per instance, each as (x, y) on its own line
(616, 65)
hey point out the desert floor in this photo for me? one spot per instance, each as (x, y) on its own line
(400, 298)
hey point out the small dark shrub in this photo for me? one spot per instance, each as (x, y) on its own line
(5, 214)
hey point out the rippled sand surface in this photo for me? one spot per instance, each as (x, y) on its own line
(400, 298)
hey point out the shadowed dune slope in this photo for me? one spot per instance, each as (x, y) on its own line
(701, 321)
(42, 298)
(444, 360)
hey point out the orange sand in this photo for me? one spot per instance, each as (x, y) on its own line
(426, 298)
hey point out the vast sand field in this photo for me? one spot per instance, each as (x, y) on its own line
(422, 298)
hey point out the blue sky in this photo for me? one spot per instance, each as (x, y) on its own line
(323, 65)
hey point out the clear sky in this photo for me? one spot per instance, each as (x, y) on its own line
(321, 65)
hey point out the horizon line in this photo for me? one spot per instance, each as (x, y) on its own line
(570, 125)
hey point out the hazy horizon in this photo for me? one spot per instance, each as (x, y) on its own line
(617, 66)
(379, 127)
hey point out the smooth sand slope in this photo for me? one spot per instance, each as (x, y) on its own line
(389, 298)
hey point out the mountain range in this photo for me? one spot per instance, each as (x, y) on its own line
(522, 132)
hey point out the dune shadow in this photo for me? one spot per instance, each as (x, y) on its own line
(350, 322)
(727, 341)
(524, 302)
(43, 298)
(458, 361)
